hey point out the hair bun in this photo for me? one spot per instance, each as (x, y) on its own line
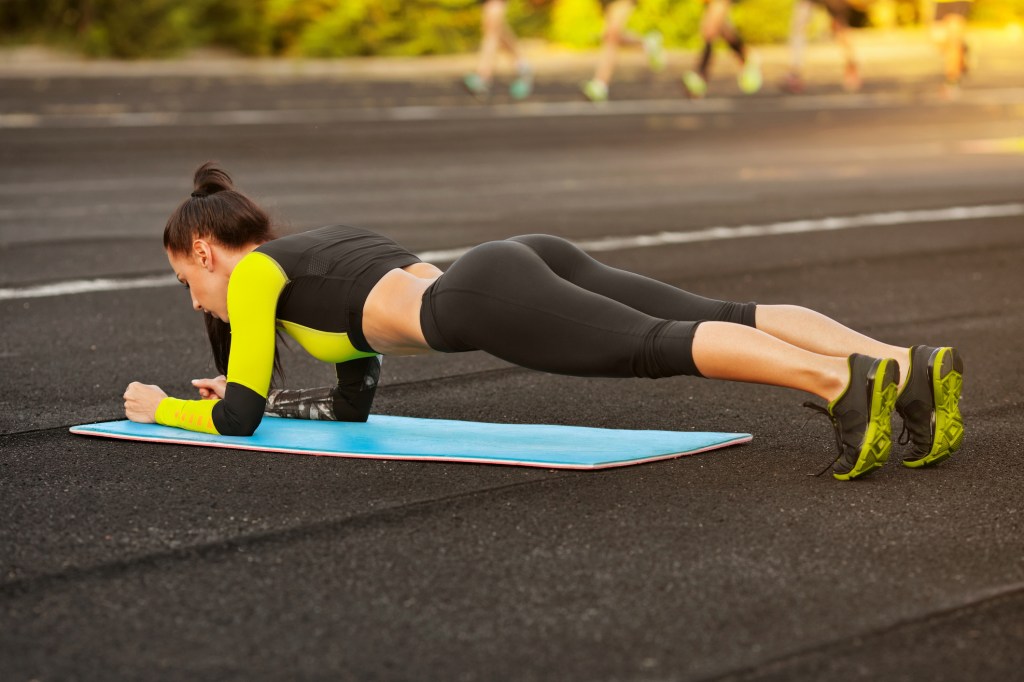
(210, 179)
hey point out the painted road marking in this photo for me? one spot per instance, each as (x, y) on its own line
(149, 119)
(887, 219)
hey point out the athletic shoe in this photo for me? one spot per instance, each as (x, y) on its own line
(695, 84)
(930, 405)
(654, 48)
(750, 78)
(476, 86)
(792, 83)
(595, 90)
(522, 86)
(862, 416)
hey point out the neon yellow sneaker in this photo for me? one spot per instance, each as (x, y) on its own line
(750, 78)
(862, 416)
(595, 90)
(695, 84)
(930, 405)
(522, 86)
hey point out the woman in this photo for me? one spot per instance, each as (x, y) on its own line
(715, 23)
(615, 35)
(840, 11)
(496, 34)
(347, 295)
(949, 32)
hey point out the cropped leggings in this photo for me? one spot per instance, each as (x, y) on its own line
(540, 302)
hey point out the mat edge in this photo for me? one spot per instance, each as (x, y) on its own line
(82, 430)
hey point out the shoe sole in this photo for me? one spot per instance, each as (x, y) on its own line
(946, 371)
(874, 452)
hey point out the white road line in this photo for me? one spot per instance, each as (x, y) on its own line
(440, 112)
(87, 286)
(889, 219)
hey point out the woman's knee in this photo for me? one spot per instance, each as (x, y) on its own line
(738, 313)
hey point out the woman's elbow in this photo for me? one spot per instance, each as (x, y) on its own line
(239, 425)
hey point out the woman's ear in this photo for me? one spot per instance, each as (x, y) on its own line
(203, 254)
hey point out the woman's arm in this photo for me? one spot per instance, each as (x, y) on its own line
(252, 296)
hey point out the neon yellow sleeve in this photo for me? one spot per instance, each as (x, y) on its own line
(255, 286)
(194, 415)
(253, 290)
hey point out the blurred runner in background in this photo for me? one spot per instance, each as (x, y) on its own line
(839, 11)
(715, 23)
(496, 34)
(616, 15)
(949, 31)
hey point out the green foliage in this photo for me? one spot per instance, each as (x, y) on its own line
(239, 24)
(677, 20)
(763, 21)
(576, 23)
(142, 28)
(579, 23)
(333, 28)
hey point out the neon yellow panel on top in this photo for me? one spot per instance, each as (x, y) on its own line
(326, 346)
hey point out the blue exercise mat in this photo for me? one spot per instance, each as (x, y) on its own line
(383, 437)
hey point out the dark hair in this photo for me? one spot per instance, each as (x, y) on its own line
(216, 211)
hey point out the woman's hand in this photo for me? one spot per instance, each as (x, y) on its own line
(211, 389)
(141, 401)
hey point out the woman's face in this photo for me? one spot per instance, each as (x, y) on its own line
(207, 286)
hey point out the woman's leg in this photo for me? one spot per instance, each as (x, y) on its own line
(953, 53)
(722, 350)
(716, 13)
(647, 295)
(493, 26)
(505, 299)
(502, 298)
(812, 331)
(800, 328)
(615, 34)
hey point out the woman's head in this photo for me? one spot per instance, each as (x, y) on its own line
(204, 238)
(208, 233)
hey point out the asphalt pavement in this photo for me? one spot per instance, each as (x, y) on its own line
(893, 210)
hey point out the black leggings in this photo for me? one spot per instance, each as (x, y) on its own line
(540, 302)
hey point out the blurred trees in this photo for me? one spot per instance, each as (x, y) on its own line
(331, 28)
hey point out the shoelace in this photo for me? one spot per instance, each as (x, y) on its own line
(838, 431)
